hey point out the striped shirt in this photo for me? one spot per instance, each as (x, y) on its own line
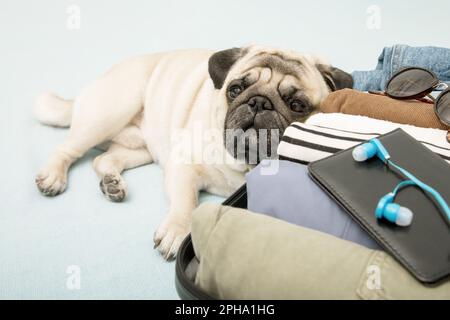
(306, 142)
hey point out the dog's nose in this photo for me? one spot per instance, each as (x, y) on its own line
(259, 103)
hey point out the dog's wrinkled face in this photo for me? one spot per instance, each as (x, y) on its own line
(265, 90)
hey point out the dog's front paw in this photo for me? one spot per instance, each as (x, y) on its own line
(51, 183)
(169, 235)
(113, 187)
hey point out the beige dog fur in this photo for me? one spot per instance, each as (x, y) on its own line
(136, 109)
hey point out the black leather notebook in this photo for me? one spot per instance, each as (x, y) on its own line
(423, 248)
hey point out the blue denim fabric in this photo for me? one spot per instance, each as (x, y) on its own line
(399, 56)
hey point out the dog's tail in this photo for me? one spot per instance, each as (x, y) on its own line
(53, 110)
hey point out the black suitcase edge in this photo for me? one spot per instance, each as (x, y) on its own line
(238, 199)
(186, 289)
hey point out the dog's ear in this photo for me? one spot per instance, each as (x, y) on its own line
(335, 78)
(220, 63)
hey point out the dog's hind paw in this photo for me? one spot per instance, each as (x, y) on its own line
(51, 183)
(113, 187)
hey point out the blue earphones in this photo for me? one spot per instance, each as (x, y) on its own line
(370, 149)
(386, 207)
(392, 211)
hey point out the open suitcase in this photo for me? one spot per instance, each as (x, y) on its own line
(185, 287)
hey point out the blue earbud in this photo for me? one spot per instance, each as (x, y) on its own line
(386, 207)
(369, 150)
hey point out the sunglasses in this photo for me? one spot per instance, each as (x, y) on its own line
(417, 83)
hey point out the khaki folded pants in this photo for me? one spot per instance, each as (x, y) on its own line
(244, 255)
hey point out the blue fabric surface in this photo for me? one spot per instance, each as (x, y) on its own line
(40, 238)
(110, 243)
(288, 193)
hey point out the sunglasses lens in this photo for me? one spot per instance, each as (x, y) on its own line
(443, 107)
(410, 83)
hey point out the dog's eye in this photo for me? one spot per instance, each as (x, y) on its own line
(234, 91)
(298, 106)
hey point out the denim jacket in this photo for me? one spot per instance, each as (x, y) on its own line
(399, 56)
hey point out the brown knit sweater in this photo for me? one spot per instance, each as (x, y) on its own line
(355, 102)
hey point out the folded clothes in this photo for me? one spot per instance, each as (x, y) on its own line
(354, 102)
(244, 255)
(324, 134)
(289, 194)
(399, 56)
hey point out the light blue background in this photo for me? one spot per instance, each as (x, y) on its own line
(112, 243)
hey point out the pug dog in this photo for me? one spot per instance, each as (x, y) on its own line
(137, 110)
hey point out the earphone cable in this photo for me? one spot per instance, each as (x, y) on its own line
(434, 193)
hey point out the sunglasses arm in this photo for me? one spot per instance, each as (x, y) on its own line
(430, 96)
